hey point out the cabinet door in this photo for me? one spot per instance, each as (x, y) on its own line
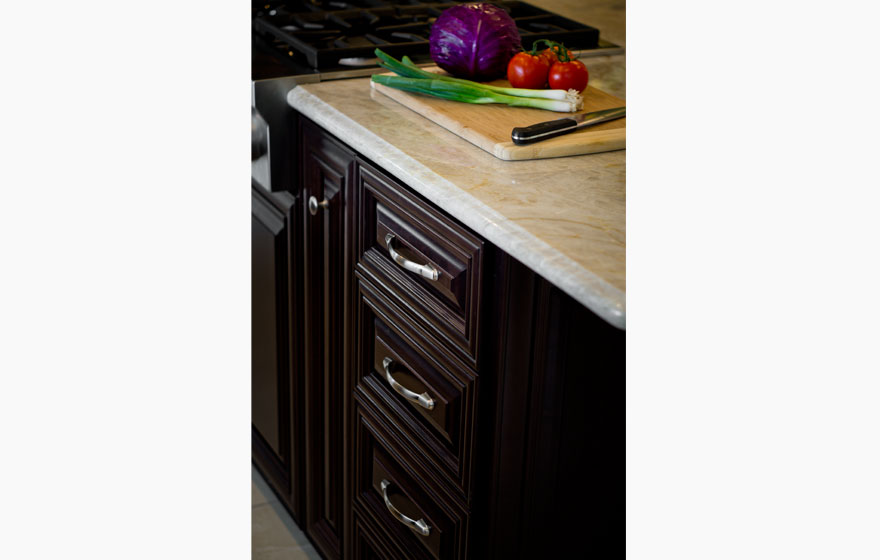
(274, 386)
(326, 168)
(556, 457)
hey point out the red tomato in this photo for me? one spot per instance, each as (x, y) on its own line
(569, 75)
(552, 55)
(527, 71)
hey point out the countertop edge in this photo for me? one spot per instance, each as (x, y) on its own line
(595, 294)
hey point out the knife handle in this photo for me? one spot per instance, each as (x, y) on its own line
(541, 131)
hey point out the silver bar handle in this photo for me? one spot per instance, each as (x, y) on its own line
(423, 400)
(424, 270)
(419, 526)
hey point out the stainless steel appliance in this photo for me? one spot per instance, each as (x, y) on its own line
(304, 41)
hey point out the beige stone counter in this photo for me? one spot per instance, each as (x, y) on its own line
(565, 218)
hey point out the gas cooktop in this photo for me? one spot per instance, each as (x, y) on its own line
(326, 39)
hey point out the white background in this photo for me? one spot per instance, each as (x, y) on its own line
(752, 391)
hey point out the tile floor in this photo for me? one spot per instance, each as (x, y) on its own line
(274, 534)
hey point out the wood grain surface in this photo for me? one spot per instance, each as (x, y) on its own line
(489, 126)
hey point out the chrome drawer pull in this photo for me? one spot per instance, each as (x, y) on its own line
(418, 526)
(422, 400)
(425, 270)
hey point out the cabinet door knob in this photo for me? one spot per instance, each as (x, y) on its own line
(314, 205)
(423, 400)
(419, 526)
(424, 270)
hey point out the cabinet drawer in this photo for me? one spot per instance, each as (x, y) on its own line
(369, 542)
(408, 506)
(402, 240)
(430, 398)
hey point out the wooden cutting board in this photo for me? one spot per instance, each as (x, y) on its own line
(489, 126)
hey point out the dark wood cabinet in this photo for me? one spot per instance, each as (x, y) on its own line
(433, 398)
(444, 295)
(368, 542)
(552, 460)
(326, 170)
(436, 418)
(411, 508)
(275, 383)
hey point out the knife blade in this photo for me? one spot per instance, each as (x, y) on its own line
(549, 129)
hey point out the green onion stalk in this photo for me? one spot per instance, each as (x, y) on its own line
(468, 94)
(411, 78)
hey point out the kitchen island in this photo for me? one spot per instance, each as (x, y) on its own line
(565, 218)
(439, 336)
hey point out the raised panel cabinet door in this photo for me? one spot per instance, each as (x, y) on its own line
(326, 168)
(273, 363)
(554, 460)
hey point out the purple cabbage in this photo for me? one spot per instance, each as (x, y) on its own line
(474, 41)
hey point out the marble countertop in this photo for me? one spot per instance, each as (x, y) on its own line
(565, 218)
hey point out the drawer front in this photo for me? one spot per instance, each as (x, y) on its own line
(430, 398)
(402, 239)
(369, 542)
(406, 504)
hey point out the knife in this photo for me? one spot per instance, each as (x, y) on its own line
(548, 129)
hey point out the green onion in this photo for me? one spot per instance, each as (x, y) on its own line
(572, 101)
(470, 94)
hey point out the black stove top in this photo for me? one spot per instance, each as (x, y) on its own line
(331, 37)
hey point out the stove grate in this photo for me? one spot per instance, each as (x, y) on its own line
(320, 33)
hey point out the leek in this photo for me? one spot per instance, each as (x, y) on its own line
(568, 101)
